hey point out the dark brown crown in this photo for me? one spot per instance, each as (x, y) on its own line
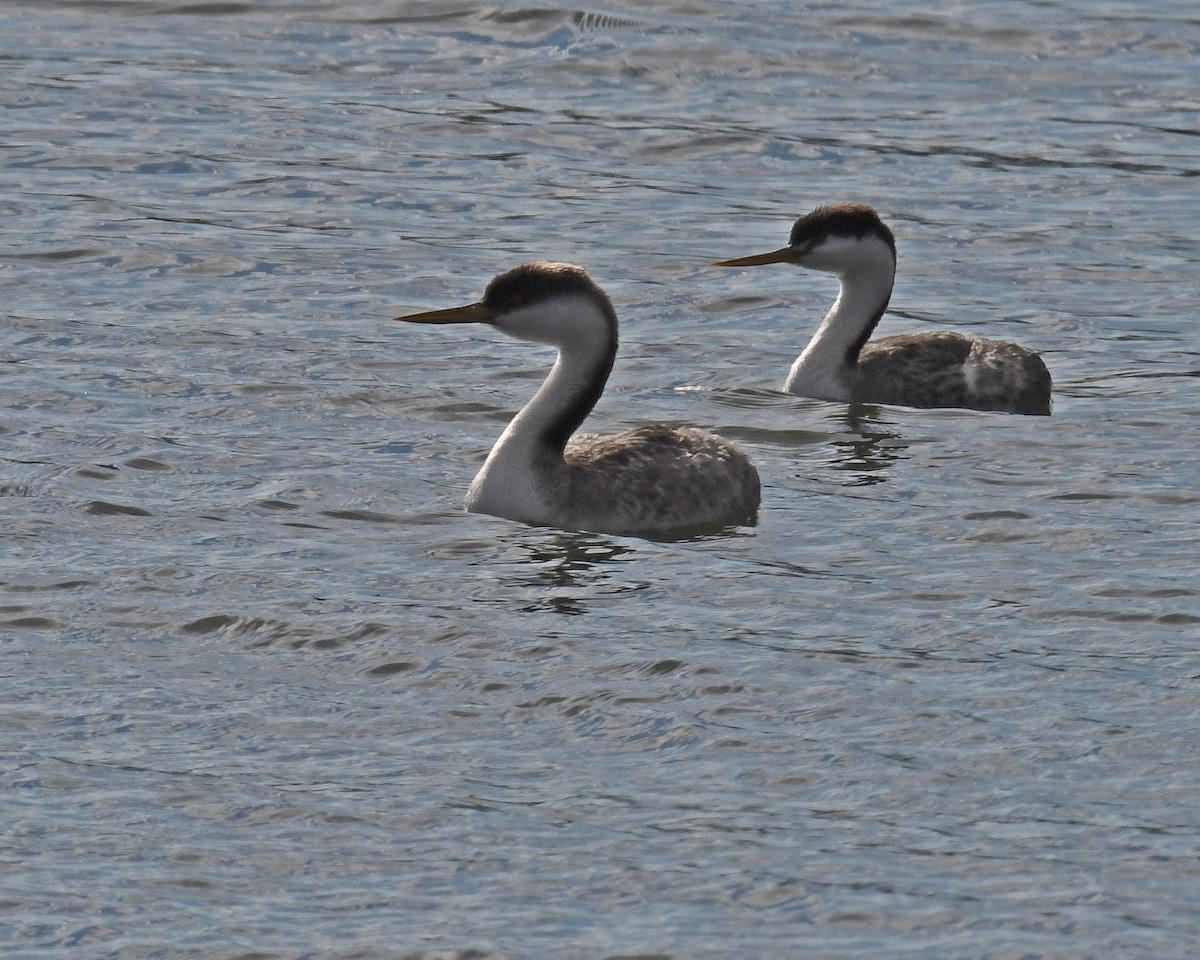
(532, 282)
(855, 220)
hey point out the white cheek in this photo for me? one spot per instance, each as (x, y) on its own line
(568, 320)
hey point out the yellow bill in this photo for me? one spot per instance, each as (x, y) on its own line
(782, 255)
(471, 313)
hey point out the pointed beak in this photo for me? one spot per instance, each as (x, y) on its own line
(471, 313)
(782, 255)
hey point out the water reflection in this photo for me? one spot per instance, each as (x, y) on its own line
(868, 449)
(570, 567)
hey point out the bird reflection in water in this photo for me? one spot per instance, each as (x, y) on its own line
(867, 449)
(571, 569)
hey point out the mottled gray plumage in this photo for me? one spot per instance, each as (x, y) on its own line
(656, 480)
(930, 370)
(656, 477)
(916, 370)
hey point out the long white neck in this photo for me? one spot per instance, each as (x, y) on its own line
(565, 388)
(826, 368)
(526, 463)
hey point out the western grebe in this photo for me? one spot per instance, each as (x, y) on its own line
(941, 369)
(653, 479)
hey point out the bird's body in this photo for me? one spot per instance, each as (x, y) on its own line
(653, 479)
(917, 370)
(948, 369)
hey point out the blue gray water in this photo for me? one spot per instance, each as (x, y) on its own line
(266, 691)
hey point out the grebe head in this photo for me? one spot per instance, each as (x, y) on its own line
(552, 303)
(843, 238)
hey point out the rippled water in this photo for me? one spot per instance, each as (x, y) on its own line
(268, 692)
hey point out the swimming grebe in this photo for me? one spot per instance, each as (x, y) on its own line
(943, 369)
(653, 479)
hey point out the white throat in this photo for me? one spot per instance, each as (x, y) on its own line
(866, 269)
(522, 471)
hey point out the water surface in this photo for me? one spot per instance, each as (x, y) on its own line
(267, 690)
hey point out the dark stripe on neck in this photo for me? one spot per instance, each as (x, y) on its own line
(563, 427)
(855, 348)
(571, 417)
(532, 282)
